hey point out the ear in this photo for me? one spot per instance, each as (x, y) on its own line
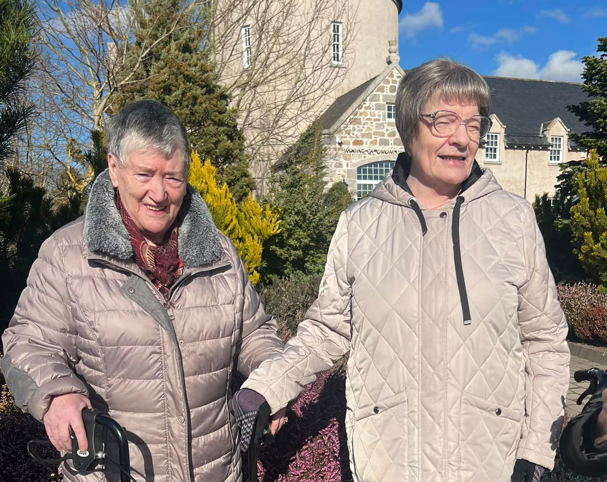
(113, 165)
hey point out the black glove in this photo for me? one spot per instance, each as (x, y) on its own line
(525, 471)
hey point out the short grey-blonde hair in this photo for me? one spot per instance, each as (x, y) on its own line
(143, 125)
(443, 78)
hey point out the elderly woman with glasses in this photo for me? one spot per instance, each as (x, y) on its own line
(438, 286)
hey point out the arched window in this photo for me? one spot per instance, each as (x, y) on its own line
(369, 175)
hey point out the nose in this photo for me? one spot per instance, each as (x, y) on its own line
(157, 192)
(460, 137)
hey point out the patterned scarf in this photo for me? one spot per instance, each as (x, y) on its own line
(161, 264)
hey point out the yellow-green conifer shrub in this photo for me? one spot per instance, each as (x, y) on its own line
(248, 225)
(588, 219)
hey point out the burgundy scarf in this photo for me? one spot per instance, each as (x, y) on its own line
(161, 264)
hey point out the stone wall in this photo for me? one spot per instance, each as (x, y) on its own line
(367, 135)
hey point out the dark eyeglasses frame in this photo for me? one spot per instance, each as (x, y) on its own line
(462, 122)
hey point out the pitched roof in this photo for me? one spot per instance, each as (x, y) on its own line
(525, 105)
(342, 104)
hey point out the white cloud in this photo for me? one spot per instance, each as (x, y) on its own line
(595, 12)
(557, 14)
(516, 66)
(503, 35)
(561, 65)
(430, 16)
(456, 30)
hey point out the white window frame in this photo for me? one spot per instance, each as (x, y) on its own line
(370, 175)
(556, 149)
(247, 52)
(337, 40)
(390, 113)
(492, 147)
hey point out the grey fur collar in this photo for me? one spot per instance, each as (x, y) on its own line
(104, 232)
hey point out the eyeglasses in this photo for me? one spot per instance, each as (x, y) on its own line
(446, 123)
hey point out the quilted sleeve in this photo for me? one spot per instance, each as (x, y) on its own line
(39, 342)
(543, 331)
(259, 330)
(322, 338)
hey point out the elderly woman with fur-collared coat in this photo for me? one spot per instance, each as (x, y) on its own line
(142, 309)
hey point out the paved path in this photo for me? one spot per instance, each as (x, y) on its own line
(575, 388)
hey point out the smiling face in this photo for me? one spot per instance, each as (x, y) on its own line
(152, 187)
(443, 163)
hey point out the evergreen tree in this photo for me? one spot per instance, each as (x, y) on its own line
(178, 74)
(17, 62)
(594, 111)
(309, 213)
(589, 220)
(247, 224)
(554, 220)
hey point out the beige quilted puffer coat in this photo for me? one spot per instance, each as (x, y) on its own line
(458, 361)
(91, 322)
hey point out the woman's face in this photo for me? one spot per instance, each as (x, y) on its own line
(439, 162)
(152, 188)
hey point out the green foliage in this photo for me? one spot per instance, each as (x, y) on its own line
(179, 74)
(247, 224)
(309, 213)
(17, 61)
(26, 220)
(589, 221)
(594, 111)
(554, 220)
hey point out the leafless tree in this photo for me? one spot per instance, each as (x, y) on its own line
(291, 75)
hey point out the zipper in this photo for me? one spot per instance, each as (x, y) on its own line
(168, 307)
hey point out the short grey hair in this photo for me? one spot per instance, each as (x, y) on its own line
(143, 125)
(443, 78)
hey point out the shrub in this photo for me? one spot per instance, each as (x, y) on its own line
(16, 428)
(288, 300)
(585, 307)
(312, 445)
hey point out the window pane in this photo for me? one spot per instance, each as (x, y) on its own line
(492, 147)
(370, 175)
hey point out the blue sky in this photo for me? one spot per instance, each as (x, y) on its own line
(541, 39)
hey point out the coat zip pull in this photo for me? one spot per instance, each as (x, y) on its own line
(457, 256)
(420, 216)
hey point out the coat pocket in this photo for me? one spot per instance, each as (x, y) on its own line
(378, 446)
(488, 438)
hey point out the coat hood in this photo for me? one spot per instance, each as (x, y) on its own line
(394, 188)
(104, 232)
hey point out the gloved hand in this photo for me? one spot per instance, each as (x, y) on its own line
(245, 407)
(525, 471)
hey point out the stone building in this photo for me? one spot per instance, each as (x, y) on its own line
(528, 140)
(285, 61)
(353, 89)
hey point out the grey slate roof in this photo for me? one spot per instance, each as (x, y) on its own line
(524, 105)
(342, 104)
(399, 4)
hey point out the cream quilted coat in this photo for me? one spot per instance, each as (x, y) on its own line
(434, 393)
(91, 322)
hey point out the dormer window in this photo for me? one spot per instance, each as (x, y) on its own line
(556, 149)
(336, 43)
(492, 150)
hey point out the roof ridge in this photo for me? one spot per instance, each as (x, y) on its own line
(532, 80)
